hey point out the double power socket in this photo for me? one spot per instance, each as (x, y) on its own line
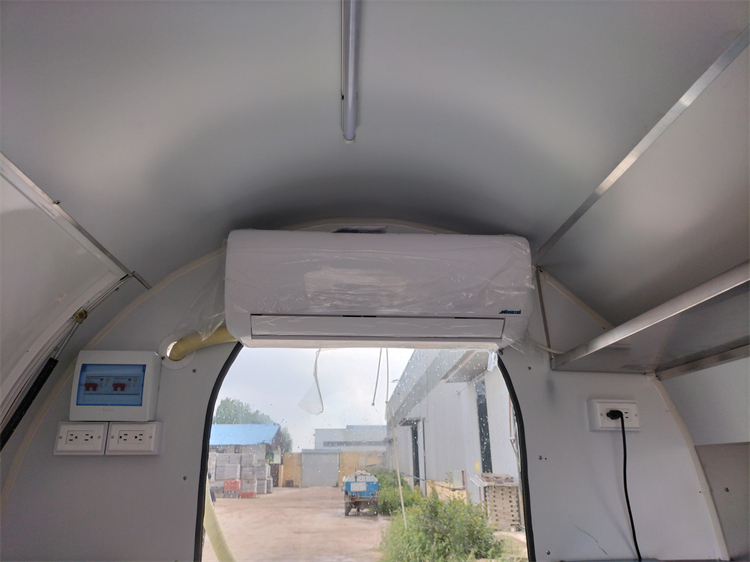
(108, 438)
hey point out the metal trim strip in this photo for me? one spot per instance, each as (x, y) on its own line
(704, 363)
(54, 207)
(716, 286)
(726, 58)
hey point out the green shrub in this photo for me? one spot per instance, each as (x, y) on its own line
(390, 502)
(440, 531)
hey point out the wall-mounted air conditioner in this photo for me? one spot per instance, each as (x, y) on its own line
(419, 287)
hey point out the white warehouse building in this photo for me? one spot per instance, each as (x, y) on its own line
(453, 421)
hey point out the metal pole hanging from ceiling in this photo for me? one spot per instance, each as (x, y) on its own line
(350, 16)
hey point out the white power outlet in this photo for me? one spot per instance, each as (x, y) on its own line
(80, 438)
(134, 438)
(598, 420)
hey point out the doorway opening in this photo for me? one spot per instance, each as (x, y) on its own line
(290, 431)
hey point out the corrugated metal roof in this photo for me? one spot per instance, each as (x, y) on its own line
(242, 434)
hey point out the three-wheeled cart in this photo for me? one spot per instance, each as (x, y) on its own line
(361, 491)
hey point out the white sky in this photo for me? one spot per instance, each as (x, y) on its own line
(274, 381)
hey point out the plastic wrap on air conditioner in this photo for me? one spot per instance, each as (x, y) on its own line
(314, 274)
(206, 313)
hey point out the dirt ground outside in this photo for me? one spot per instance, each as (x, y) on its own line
(297, 525)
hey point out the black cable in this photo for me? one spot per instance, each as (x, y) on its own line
(615, 414)
(525, 495)
(202, 480)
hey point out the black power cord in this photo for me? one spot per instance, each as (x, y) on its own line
(614, 415)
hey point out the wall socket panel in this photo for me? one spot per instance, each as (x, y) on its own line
(134, 438)
(81, 438)
(598, 420)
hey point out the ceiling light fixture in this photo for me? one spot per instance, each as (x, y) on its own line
(350, 17)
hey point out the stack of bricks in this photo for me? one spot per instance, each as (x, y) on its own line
(232, 488)
(501, 501)
(262, 470)
(247, 467)
(248, 485)
(248, 488)
(227, 472)
(239, 475)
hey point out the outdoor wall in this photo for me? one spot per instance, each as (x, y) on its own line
(403, 450)
(352, 438)
(499, 414)
(443, 431)
(350, 462)
(292, 463)
(320, 468)
(471, 445)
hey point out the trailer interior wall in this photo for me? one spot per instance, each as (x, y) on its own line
(139, 508)
(715, 406)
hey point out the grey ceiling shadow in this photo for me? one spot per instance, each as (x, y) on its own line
(326, 197)
(277, 165)
(644, 292)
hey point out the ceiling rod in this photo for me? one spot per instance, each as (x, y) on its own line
(726, 58)
(350, 17)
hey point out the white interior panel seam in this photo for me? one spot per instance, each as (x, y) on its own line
(723, 552)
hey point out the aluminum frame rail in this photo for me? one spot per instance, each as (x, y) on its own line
(704, 326)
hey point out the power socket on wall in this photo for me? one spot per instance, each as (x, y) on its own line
(81, 438)
(599, 421)
(134, 438)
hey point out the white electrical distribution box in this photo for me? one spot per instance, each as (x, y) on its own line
(81, 438)
(598, 420)
(115, 386)
(134, 438)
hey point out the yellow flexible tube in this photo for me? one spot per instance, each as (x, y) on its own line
(190, 343)
(214, 532)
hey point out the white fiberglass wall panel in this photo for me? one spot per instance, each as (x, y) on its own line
(48, 270)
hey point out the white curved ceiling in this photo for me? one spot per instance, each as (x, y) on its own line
(160, 126)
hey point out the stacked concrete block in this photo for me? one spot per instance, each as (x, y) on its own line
(228, 472)
(262, 486)
(247, 459)
(248, 488)
(269, 485)
(247, 467)
(262, 470)
(212, 466)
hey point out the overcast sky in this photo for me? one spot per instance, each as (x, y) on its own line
(274, 381)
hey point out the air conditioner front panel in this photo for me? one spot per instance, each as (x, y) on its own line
(319, 274)
(322, 327)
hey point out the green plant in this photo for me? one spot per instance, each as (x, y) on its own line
(440, 531)
(390, 502)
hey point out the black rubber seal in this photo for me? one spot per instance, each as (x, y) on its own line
(198, 552)
(27, 401)
(525, 496)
